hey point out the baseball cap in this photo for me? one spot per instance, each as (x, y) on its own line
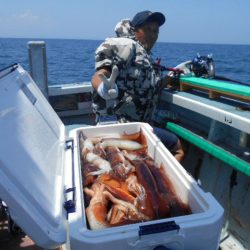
(141, 17)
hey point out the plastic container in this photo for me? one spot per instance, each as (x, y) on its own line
(199, 230)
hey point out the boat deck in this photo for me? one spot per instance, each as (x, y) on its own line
(11, 242)
(17, 241)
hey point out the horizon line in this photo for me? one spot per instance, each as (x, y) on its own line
(92, 39)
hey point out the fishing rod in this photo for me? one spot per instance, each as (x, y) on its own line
(175, 70)
(200, 66)
(223, 78)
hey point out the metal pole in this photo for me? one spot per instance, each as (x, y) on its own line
(38, 65)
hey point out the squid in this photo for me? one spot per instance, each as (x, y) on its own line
(134, 137)
(167, 193)
(150, 204)
(134, 186)
(98, 215)
(119, 164)
(98, 207)
(88, 155)
(87, 169)
(117, 188)
(121, 143)
(123, 211)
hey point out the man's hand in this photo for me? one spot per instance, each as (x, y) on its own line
(108, 89)
(183, 67)
(168, 82)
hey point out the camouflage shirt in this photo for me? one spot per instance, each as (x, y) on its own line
(137, 79)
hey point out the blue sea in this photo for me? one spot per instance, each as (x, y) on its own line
(71, 61)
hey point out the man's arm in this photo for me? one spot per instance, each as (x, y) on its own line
(96, 79)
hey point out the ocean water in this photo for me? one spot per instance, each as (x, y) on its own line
(72, 61)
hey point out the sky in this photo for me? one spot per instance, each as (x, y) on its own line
(187, 21)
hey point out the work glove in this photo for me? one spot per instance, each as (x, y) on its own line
(108, 89)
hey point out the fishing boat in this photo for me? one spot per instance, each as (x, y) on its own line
(211, 117)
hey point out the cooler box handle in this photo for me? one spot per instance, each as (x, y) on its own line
(70, 193)
(158, 228)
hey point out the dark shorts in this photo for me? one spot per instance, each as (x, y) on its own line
(168, 138)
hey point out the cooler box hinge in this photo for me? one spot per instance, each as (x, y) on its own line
(7, 70)
(70, 196)
(158, 228)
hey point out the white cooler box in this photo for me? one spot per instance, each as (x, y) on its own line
(40, 180)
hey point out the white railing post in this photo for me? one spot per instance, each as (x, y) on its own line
(38, 65)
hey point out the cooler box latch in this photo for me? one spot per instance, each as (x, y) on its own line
(70, 196)
(70, 205)
(158, 228)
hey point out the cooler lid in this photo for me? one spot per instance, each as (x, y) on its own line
(32, 158)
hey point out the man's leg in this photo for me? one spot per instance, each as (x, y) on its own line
(171, 142)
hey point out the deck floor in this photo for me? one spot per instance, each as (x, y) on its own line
(10, 242)
(18, 242)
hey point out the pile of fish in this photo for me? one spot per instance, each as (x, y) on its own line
(122, 184)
